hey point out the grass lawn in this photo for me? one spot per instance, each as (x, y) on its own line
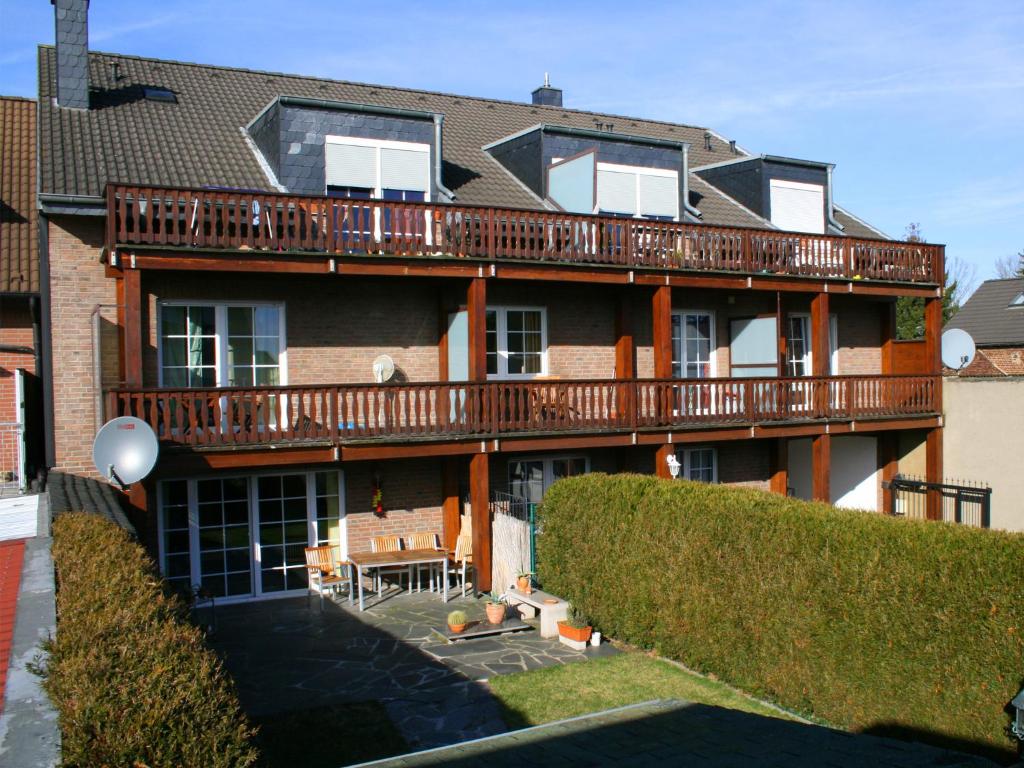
(328, 736)
(568, 690)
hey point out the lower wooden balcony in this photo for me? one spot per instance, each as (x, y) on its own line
(226, 417)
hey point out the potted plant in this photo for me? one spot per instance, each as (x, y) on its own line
(575, 629)
(495, 608)
(457, 621)
(523, 583)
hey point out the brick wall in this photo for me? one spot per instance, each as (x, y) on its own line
(15, 330)
(411, 494)
(745, 462)
(77, 284)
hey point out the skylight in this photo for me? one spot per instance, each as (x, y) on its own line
(154, 93)
(1018, 300)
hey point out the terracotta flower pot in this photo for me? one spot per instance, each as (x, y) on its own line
(495, 612)
(456, 628)
(523, 585)
(579, 634)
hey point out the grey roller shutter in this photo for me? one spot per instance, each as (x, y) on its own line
(659, 195)
(351, 165)
(404, 169)
(616, 192)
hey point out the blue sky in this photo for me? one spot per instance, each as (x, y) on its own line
(919, 104)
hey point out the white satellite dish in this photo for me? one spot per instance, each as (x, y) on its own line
(383, 368)
(957, 349)
(125, 450)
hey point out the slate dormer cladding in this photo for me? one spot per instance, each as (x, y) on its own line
(749, 181)
(528, 155)
(290, 134)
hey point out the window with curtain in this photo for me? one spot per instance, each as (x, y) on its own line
(516, 341)
(208, 345)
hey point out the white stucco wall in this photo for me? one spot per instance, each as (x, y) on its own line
(983, 441)
(854, 478)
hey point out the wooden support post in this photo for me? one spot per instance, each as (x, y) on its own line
(476, 311)
(819, 335)
(133, 328)
(888, 337)
(821, 471)
(888, 466)
(624, 351)
(780, 330)
(480, 497)
(933, 361)
(779, 466)
(933, 472)
(661, 460)
(451, 517)
(442, 338)
(661, 316)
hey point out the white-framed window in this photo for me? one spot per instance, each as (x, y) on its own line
(375, 168)
(646, 193)
(799, 357)
(529, 477)
(517, 342)
(698, 464)
(243, 537)
(693, 344)
(203, 344)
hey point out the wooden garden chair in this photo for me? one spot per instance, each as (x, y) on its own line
(424, 541)
(323, 571)
(461, 561)
(389, 544)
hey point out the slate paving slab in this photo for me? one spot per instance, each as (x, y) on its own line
(288, 654)
(659, 733)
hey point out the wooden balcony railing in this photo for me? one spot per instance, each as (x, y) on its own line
(395, 412)
(277, 222)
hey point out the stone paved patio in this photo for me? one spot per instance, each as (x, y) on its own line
(670, 733)
(288, 655)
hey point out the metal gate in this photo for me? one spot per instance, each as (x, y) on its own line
(961, 502)
(513, 534)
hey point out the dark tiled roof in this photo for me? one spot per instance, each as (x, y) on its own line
(988, 317)
(199, 140)
(854, 227)
(19, 232)
(74, 493)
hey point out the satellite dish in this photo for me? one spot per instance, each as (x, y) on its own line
(383, 368)
(125, 450)
(957, 349)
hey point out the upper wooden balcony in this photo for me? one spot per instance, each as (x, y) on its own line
(227, 417)
(280, 224)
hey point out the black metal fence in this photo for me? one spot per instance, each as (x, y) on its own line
(961, 502)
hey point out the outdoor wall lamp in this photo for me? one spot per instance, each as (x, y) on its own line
(673, 465)
(1017, 726)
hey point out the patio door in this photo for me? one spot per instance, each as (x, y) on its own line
(529, 478)
(693, 345)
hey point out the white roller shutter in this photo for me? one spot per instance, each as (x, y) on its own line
(798, 207)
(404, 169)
(351, 165)
(616, 192)
(659, 195)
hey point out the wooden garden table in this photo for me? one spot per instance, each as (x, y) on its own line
(407, 557)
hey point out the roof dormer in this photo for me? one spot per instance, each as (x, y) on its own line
(589, 171)
(794, 195)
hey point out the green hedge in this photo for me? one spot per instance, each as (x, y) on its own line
(869, 622)
(132, 680)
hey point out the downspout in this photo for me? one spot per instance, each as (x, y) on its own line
(687, 208)
(46, 341)
(438, 157)
(832, 223)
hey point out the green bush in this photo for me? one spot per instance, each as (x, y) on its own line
(869, 622)
(132, 680)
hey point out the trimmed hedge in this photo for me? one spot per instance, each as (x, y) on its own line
(132, 680)
(869, 622)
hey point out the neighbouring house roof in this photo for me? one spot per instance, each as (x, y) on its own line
(988, 316)
(199, 140)
(19, 232)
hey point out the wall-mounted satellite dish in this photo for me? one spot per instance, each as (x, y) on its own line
(957, 349)
(383, 368)
(125, 450)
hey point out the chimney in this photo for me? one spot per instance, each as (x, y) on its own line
(72, 38)
(546, 95)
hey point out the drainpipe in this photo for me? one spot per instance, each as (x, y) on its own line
(687, 208)
(832, 223)
(439, 157)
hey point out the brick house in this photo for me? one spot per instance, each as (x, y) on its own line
(20, 326)
(239, 257)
